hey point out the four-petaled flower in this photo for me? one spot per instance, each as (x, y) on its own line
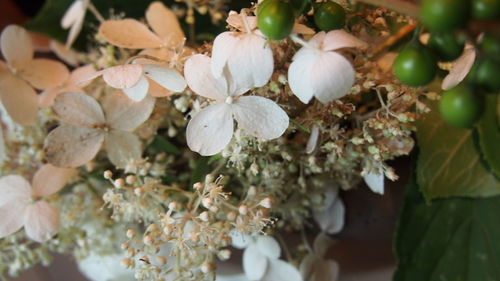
(22, 204)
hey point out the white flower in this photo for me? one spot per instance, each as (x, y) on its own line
(18, 205)
(318, 71)
(247, 56)
(72, 85)
(331, 216)
(374, 179)
(261, 259)
(314, 267)
(22, 72)
(212, 128)
(105, 268)
(87, 128)
(73, 20)
(133, 79)
(461, 68)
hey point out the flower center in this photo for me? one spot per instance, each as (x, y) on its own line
(229, 100)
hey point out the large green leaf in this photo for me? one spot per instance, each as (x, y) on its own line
(449, 164)
(453, 239)
(489, 134)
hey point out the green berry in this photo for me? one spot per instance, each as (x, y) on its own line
(486, 9)
(275, 19)
(444, 15)
(415, 66)
(446, 45)
(460, 107)
(329, 16)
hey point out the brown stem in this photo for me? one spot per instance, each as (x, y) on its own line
(400, 6)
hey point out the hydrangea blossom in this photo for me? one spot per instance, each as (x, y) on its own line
(314, 267)
(73, 20)
(22, 203)
(135, 79)
(212, 128)
(331, 216)
(319, 71)
(87, 127)
(261, 259)
(21, 73)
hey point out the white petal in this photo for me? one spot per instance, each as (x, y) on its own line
(165, 23)
(79, 74)
(332, 219)
(260, 117)
(157, 91)
(125, 114)
(78, 109)
(332, 78)
(338, 39)
(322, 244)
(69, 56)
(279, 270)
(16, 46)
(313, 139)
(250, 64)
(13, 188)
(70, 146)
(255, 263)
(299, 72)
(44, 73)
(200, 79)
(268, 246)
(211, 129)
(167, 77)
(375, 182)
(317, 40)
(74, 31)
(74, 13)
(49, 179)
(139, 91)
(234, 277)
(307, 265)
(122, 147)
(19, 99)
(460, 69)
(129, 33)
(12, 217)
(224, 45)
(123, 76)
(41, 221)
(239, 240)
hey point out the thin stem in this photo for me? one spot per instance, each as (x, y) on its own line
(299, 40)
(399, 6)
(95, 12)
(299, 126)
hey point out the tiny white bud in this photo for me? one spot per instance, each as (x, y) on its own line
(108, 174)
(161, 260)
(197, 186)
(214, 209)
(127, 263)
(243, 210)
(207, 202)
(231, 216)
(119, 183)
(224, 254)
(204, 216)
(209, 178)
(148, 240)
(252, 191)
(167, 229)
(207, 267)
(172, 206)
(266, 202)
(130, 179)
(138, 191)
(130, 233)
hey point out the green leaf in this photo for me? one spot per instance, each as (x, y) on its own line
(200, 170)
(449, 164)
(453, 239)
(488, 132)
(161, 144)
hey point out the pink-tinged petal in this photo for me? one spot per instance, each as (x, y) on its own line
(250, 65)
(255, 263)
(41, 221)
(122, 148)
(211, 129)
(125, 114)
(47, 97)
(235, 20)
(167, 77)
(299, 71)
(317, 40)
(338, 39)
(268, 246)
(460, 69)
(139, 91)
(74, 13)
(302, 29)
(79, 74)
(332, 219)
(69, 146)
(157, 91)
(44, 73)
(375, 181)
(326, 270)
(12, 217)
(332, 78)
(123, 76)
(224, 45)
(14, 188)
(163, 54)
(69, 56)
(165, 23)
(16, 45)
(19, 99)
(50, 179)
(129, 33)
(278, 270)
(78, 109)
(260, 117)
(200, 79)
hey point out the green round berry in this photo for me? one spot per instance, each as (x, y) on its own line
(486, 9)
(460, 107)
(415, 66)
(446, 45)
(329, 16)
(444, 15)
(275, 19)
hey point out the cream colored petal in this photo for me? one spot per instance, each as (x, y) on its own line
(73, 33)
(123, 76)
(236, 20)
(165, 23)
(12, 217)
(157, 91)
(69, 56)
(332, 77)
(44, 73)
(49, 179)
(74, 13)
(47, 97)
(122, 148)
(164, 55)
(19, 99)
(78, 109)
(129, 33)
(124, 114)
(375, 181)
(14, 188)
(139, 91)
(338, 39)
(255, 263)
(200, 79)
(302, 29)
(460, 69)
(168, 78)
(70, 146)
(41, 221)
(79, 74)
(16, 46)
(299, 71)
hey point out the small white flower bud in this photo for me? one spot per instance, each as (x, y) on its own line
(167, 229)
(207, 267)
(127, 263)
(209, 178)
(119, 183)
(138, 191)
(197, 186)
(172, 206)
(108, 174)
(231, 216)
(161, 260)
(130, 179)
(148, 240)
(243, 210)
(266, 202)
(204, 216)
(214, 209)
(252, 191)
(224, 254)
(207, 202)
(131, 233)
